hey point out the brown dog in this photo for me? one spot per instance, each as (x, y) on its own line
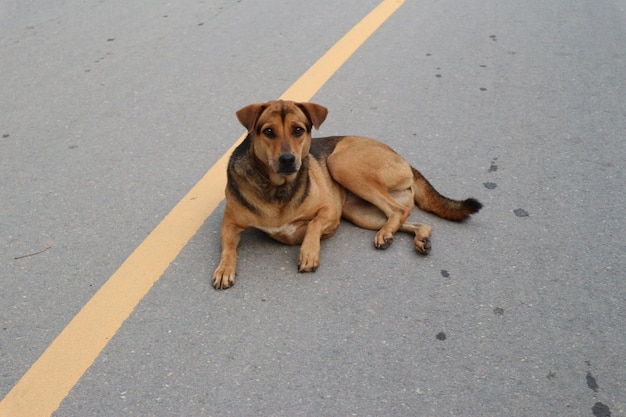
(296, 189)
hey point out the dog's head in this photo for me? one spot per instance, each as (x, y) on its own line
(281, 135)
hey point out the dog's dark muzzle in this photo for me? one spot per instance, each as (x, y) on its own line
(287, 164)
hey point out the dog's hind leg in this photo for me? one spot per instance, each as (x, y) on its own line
(365, 215)
(392, 214)
(422, 236)
(376, 174)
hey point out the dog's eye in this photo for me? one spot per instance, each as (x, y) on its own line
(298, 131)
(269, 132)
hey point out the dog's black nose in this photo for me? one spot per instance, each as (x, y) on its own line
(287, 162)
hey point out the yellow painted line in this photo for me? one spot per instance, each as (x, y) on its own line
(49, 380)
(315, 77)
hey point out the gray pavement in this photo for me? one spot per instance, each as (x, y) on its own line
(111, 111)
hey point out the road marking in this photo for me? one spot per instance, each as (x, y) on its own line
(49, 380)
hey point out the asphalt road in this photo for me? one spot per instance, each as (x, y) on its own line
(110, 112)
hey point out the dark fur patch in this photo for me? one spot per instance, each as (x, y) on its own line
(472, 205)
(287, 193)
(238, 158)
(321, 148)
(284, 110)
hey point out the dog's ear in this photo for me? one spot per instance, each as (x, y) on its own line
(316, 113)
(248, 115)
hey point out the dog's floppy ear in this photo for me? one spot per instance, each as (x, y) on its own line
(248, 115)
(316, 113)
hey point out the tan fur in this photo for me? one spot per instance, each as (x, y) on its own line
(296, 190)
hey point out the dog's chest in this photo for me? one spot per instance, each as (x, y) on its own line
(289, 233)
(287, 229)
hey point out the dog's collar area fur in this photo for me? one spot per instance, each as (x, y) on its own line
(285, 193)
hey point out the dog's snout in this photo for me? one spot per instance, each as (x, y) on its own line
(287, 159)
(287, 163)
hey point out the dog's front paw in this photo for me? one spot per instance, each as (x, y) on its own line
(223, 277)
(308, 262)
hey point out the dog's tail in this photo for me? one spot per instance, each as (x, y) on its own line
(429, 199)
